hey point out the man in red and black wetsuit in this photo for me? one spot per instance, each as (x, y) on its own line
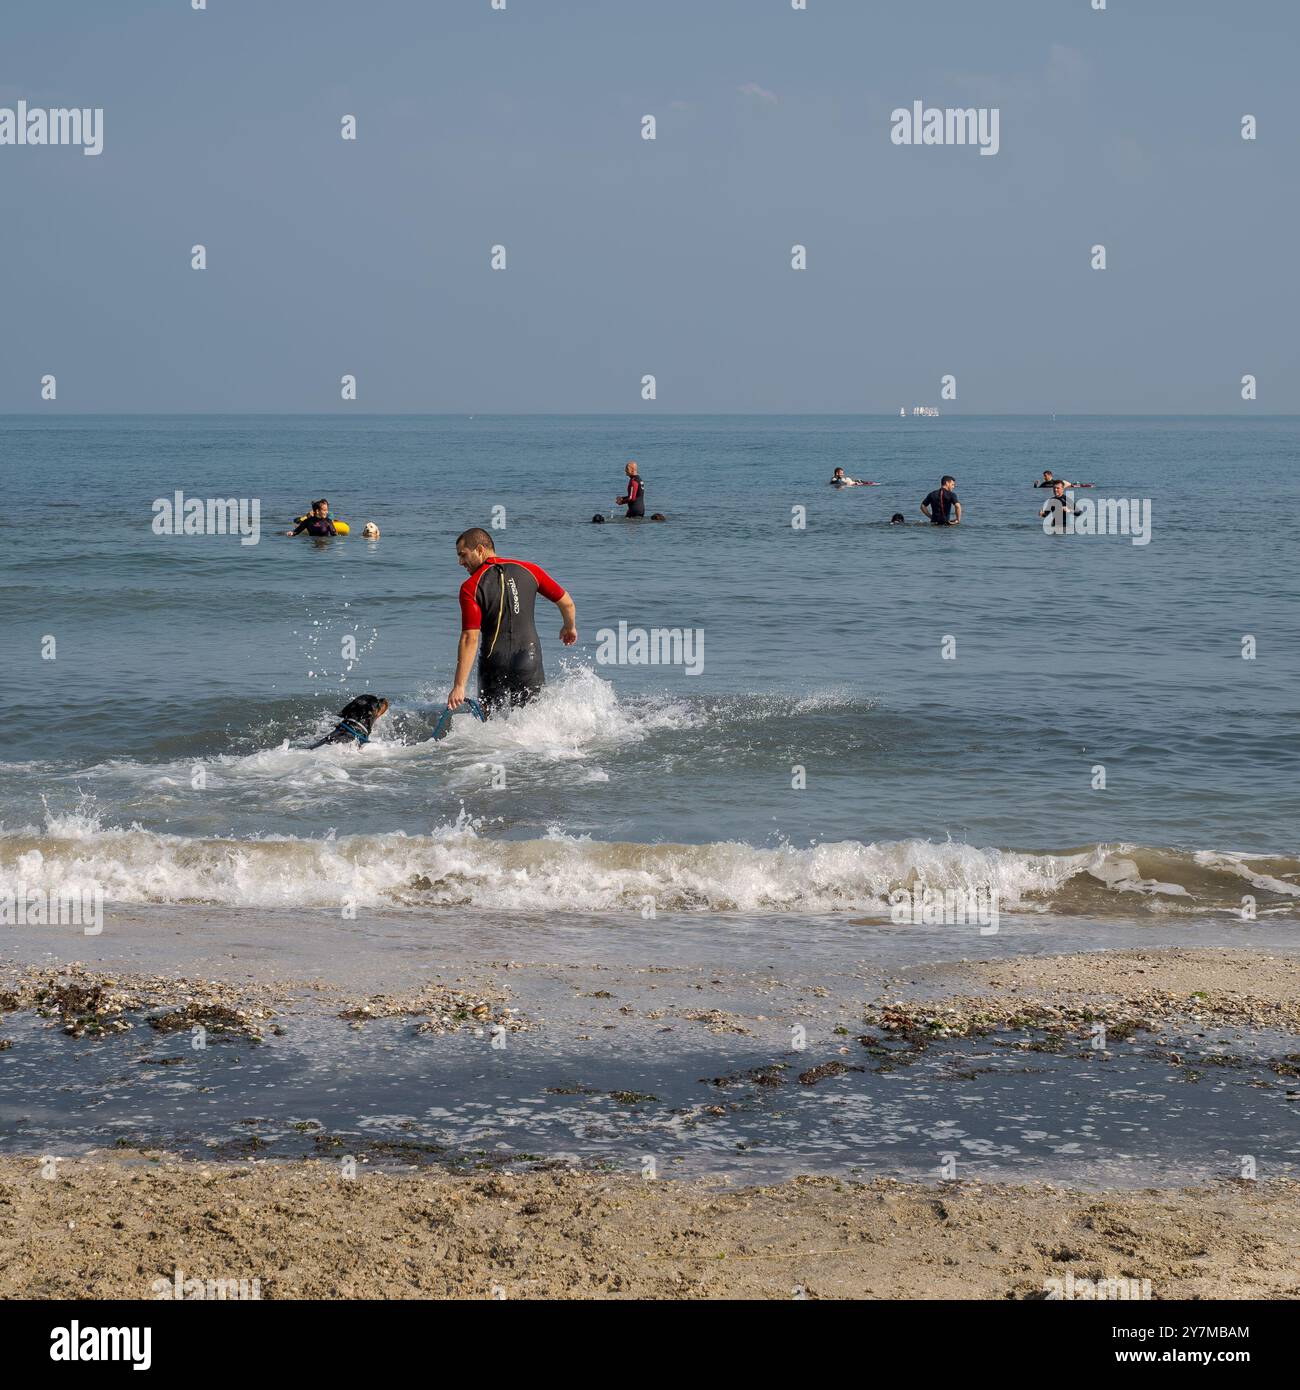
(496, 601)
(634, 498)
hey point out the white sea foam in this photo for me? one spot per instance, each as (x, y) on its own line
(569, 735)
(456, 865)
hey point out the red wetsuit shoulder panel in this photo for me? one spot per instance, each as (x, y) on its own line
(546, 586)
(471, 615)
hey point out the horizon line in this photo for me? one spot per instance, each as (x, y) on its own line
(650, 414)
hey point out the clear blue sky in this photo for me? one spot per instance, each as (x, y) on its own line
(673, 257)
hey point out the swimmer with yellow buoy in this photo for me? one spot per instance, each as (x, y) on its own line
(318, 522)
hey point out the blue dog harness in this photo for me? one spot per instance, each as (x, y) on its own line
(359, 734)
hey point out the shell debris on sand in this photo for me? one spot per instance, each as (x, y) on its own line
(87, 1004)
(441, 1010)
(1120, 989)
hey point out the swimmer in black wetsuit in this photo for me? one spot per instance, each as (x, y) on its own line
(941, 507)
(497, 601)
(1059, 506)
(1051, 482)
(316, 523)
(634, 499)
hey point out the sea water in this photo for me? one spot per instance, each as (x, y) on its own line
(1085, 726)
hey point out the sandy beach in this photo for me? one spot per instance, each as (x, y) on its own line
(110, 1229)
(312, 1209)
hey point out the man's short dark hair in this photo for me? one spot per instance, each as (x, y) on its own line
(1047, 472)
(476, 538)
(945, 480)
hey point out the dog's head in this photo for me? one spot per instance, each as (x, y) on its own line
(365, 710)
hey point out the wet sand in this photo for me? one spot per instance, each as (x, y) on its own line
(407, 1128)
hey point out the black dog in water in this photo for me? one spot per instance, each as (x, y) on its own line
(356, 720)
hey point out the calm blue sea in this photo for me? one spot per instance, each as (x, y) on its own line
(158, 752)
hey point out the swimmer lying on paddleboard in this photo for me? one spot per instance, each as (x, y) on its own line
(1050, 482)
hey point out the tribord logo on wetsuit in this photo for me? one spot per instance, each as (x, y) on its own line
(656, 646)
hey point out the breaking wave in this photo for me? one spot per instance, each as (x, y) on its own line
(457, 866)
